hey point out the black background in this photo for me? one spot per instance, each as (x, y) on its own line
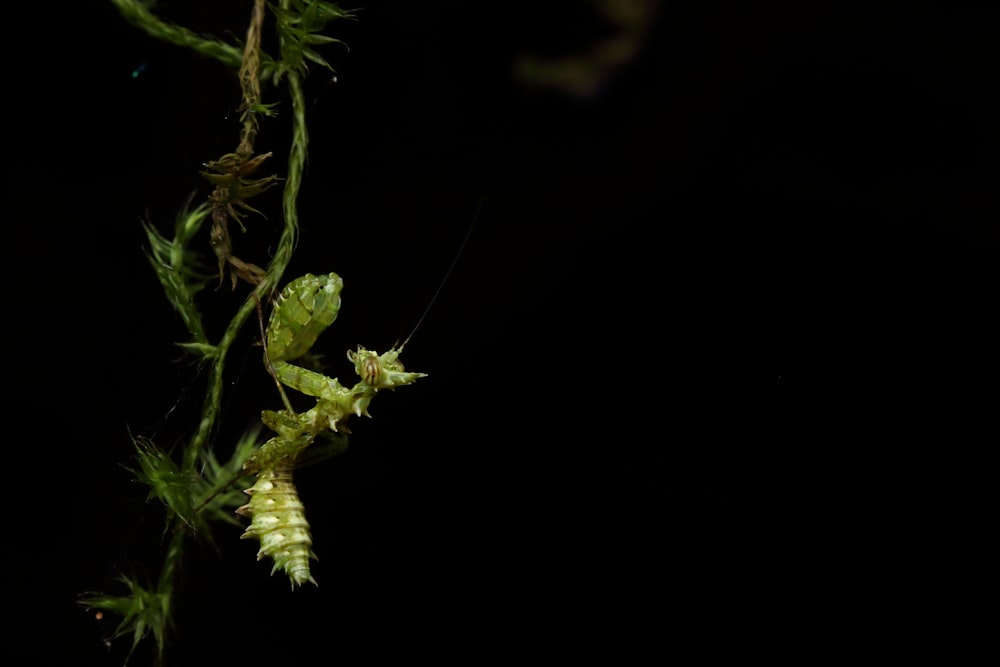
(702, 365)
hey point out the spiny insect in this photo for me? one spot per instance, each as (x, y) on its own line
(302, 311)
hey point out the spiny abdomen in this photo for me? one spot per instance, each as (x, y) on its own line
(278, 521)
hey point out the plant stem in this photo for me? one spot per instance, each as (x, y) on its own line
(137, 14)
(282, 256)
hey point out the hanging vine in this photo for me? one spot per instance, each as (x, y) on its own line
(197, 488)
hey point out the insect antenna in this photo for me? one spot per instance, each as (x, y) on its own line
(447, 274)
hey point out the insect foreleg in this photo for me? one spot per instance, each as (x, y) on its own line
(308, 382)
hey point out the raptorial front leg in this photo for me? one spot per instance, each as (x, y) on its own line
(308, 382)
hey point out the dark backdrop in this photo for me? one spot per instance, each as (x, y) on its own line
(718, 324)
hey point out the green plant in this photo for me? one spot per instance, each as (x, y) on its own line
(198, 489)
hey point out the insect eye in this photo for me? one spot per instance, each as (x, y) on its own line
(371, 371)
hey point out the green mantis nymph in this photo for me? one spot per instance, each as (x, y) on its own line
(303, 310)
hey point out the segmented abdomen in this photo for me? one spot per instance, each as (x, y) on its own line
(278, 521)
